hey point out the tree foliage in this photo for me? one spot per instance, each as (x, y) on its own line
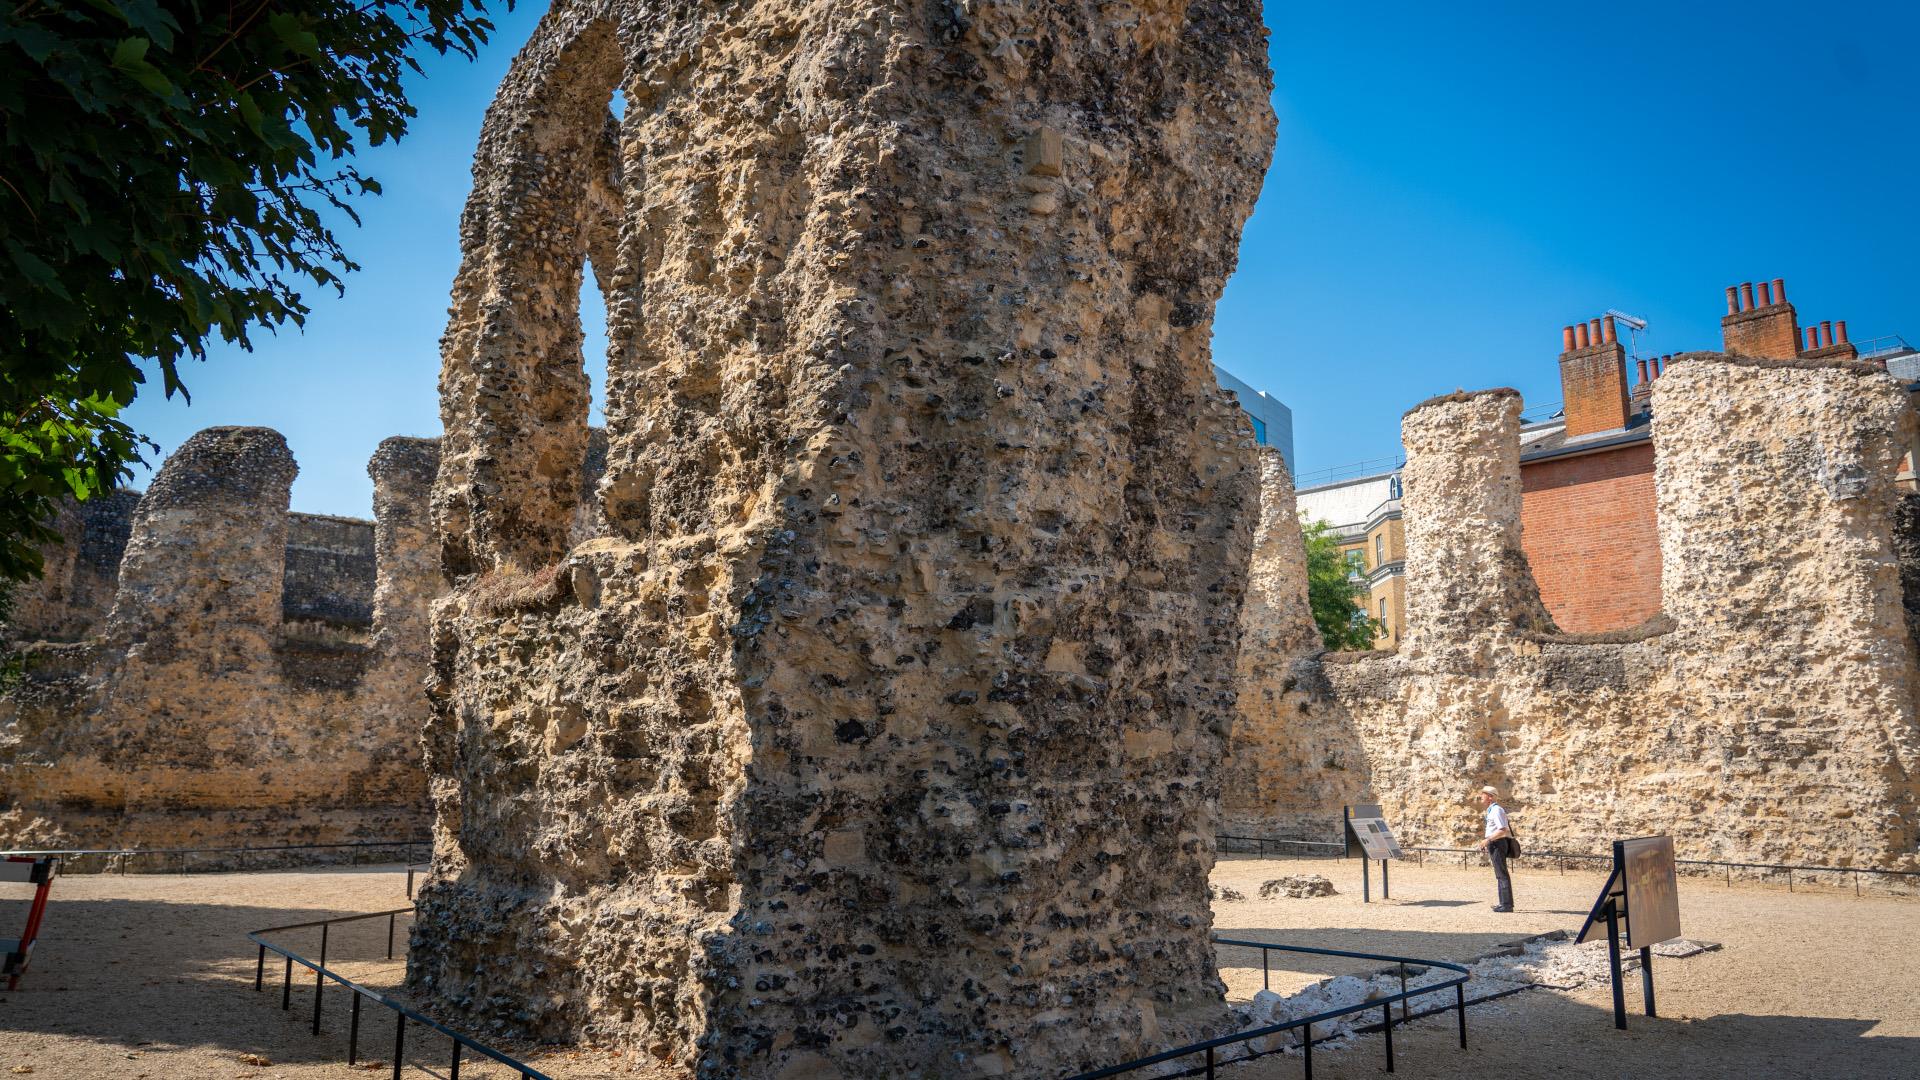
(165, 166)
(1337, 598)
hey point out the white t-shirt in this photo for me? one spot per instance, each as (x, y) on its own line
(1496, 819)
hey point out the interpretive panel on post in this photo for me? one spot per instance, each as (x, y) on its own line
(1653, 894)
(1369, 825)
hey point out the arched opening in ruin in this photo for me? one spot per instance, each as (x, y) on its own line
(593, 310)
(518, 397)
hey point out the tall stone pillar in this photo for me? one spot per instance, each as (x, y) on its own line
(1777, 508)
(1293, 753)
(1468, 584)
(881, 733)
(205, 566)
(406, 556)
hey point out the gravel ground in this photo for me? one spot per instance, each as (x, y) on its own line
(1811, 983)
(150, 977)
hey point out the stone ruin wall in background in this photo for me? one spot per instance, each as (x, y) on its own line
(208, 670)
(1767, 715)
(875, 727)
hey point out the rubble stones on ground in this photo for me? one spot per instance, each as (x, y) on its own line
(1221, 893)
(1767, 716)
(1297, 886)
(877, 728)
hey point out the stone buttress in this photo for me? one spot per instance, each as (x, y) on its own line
(194, 716)
(878, 730)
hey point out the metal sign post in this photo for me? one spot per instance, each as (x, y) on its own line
(1643, 894)
(1366, 825)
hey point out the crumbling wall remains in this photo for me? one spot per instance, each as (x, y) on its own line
(880, 731)
(194, 714)
(70, 599)
(1767, 715)
(1286, 763)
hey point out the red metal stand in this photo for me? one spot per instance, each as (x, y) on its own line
(38, 872)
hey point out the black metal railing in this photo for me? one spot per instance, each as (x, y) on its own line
(1209, 1050)
(109, 860)
(1702, 867)
(462, 1045)
(1301, 848)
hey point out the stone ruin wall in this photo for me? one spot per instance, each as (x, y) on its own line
(328, 590)
(878, 729)
(206, 669)
(1767, 715)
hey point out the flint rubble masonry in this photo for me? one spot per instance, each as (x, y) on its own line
(189, 717)
(879, 731)
(1767, 715)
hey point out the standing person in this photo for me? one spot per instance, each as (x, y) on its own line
(1499, 845)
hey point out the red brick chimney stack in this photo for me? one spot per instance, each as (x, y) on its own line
(1593, 378)
(1829, 340)
(1642, 365)
(1768, 329)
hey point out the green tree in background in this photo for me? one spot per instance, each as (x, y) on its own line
(1336, 597)
(164, 166)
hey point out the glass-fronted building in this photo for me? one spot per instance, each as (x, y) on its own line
(1272, 421)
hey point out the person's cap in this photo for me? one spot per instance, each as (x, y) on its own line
(1488, 790)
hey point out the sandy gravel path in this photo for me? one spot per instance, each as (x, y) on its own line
(149, 977)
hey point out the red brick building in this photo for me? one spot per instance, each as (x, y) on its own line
(1587, 510)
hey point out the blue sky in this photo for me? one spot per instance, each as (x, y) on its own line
(1452, 184)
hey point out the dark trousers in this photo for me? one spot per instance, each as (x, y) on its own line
(1497, 855)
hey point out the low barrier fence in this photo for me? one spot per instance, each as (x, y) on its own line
(1210, 1050)
(225, 859)
(1266, 845)
(462, 1045)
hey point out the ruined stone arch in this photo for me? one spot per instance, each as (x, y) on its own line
(895, 687)
(513, 389)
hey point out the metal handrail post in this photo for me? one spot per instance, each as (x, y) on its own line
(1386, 1019)
(353, 1031)
(319, 980)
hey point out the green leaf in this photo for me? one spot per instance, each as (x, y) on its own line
(131, 51)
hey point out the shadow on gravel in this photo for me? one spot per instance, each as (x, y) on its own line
(152, 975)
(1419, 944)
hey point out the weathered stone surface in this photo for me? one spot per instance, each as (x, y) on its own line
(879, 732)
(1297, 886)
(1768, 714)
(195, 714)
(1278, 772)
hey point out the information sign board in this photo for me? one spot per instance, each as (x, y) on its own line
(1653, 893)
(1369, 826)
